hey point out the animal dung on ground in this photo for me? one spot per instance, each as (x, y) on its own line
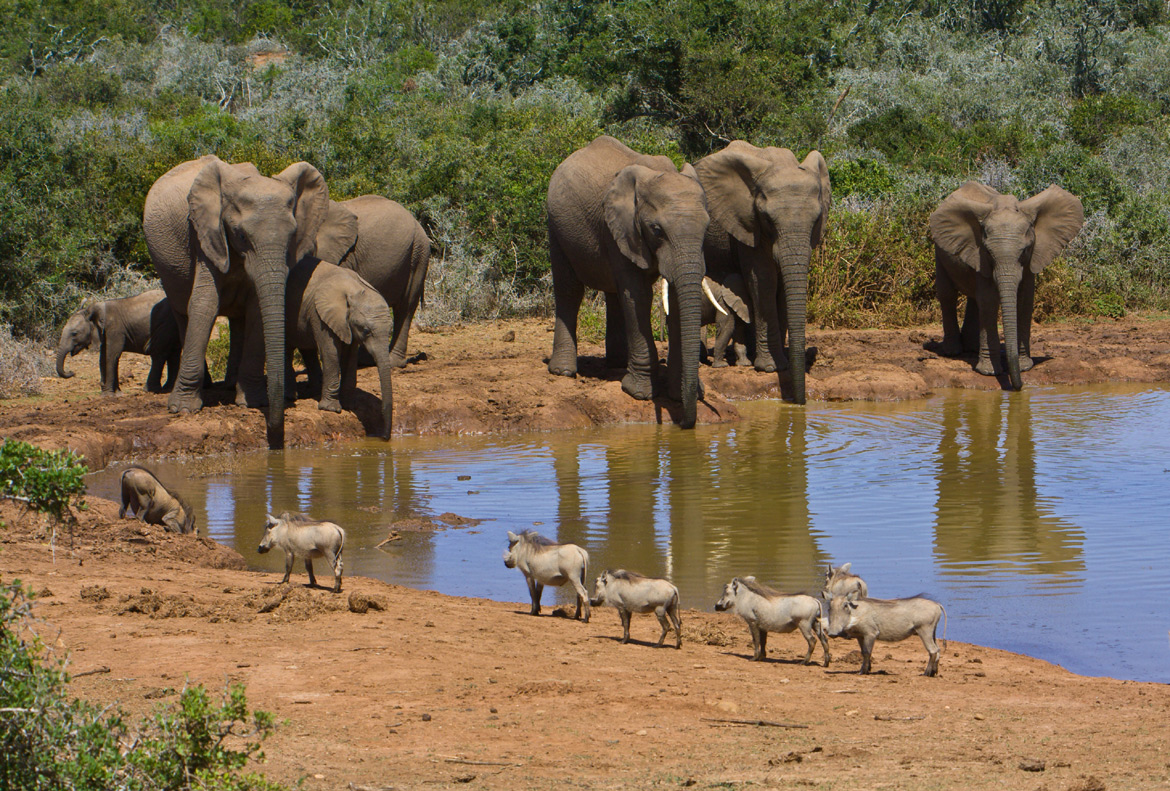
(361, 603)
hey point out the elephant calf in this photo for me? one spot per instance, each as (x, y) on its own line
(334, 312)
(143, 324)
(144, 496)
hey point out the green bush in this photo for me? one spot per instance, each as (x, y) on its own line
(1096, 118)
(47, 480)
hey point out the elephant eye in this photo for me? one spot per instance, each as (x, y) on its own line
(655, 229)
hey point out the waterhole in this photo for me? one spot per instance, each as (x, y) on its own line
(1038, 518)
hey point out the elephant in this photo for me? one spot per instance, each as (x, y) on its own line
(990, 247)
(222, 238)
(143, 324)
(617, 220)
(333, 312)
(728, 309)
(383, 242)
(768, 212)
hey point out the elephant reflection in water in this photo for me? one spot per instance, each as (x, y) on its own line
(988, 508)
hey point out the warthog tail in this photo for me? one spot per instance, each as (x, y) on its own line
(944, 637)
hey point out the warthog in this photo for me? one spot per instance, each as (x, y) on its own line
(888, 620)
(144, 496)
(630, 593)
(839, 582)
(301, 536)
(545, 562)
(767, 610)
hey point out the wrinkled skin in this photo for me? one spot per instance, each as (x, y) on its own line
(222, 238)
(732, 318)
(990, 247)
(839, 582)
(629, 593)
(888, 620)
(768, 213)
(299, 537)
(142, 324)
(144, 496)
(383, 242)
(544, 562)
(766, 610)
(332, 312)
(617, 220)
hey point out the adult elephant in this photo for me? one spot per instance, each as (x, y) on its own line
(774, 210)
(222, 238)
(617, 220)
(383, 242)
(990, 247)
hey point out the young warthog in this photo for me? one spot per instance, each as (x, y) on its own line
(888, 620)
(767, 610)
(839, 582)
(144, 496)
(300, 536)
(546, 562)
(631, 593)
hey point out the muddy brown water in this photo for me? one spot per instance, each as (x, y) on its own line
(1039, 518)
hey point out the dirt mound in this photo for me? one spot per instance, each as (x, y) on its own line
(161, 605)
(288, 602)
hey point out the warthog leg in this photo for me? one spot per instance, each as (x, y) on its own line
(288, 561)
(625, 614)
(866, 645)
(309, 568)
(337, 572)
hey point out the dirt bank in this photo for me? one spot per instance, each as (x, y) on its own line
(437, 692)
(492, 377)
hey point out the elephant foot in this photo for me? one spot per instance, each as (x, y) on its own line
(397, 360)
(985, 367)
(951, 347)
(638, 385)
(765, 364)
(719, 362)
(1026, 363)
(109, 394)
(251, 400)
(562, 368)
(329, 405)
(185, 402)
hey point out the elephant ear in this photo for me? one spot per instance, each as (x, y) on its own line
(338, 234)
(735, 294)
(312, 206)
(621, 213)
(729, 178)
(957, 224)
(1057, 216)
(205, 210)
(815, 163)
(96, 315)
(332, 308)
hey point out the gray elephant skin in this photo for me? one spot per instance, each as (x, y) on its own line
(732, 318)
(617, 220)
(383, 242)
(332, 312)
(222, 238)
(768, 213)
(990, 247)
(142, 324)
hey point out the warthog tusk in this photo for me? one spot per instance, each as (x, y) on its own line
(710, 296)
(665, 301)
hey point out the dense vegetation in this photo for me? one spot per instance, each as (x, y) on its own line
(461, 109)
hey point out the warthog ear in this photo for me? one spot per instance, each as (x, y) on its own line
(270, 521)
(512, 536)
(735, 584)
(851, 596)
(844, 567)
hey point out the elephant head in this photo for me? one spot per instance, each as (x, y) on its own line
(269, 223)
(777, 208)
(356, 313)
(1001, 237)
(81, 330)
(658, 220)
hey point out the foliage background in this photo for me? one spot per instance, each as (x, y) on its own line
(461, 109)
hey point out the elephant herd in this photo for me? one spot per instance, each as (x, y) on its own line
(747, 219)
(731, 237)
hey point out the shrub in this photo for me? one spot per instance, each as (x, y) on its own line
(1096, 118)
(22, 364)
(49, 481)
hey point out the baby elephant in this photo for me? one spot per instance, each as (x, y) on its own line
(839, 582)
(888, 620)
(767, 610)
(546, 562)
(630, 593)
(144, 496)
(300, 536)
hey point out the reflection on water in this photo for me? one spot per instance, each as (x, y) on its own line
(1035, 517)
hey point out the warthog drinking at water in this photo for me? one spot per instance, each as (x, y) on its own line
(631, 593)
(767, 610)
(546, 562)
(839, 582)
(300, 536)
(144, 496)
(888, 620)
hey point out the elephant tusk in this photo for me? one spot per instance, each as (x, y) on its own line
(665, 301)
(710, 296)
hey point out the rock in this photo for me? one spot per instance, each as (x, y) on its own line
(509, 336)
(1087, 783)
(426, 718)
(1032, 765)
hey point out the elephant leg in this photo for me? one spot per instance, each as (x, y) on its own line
(725, 328)
(251, 388)
(617, 352)
(332, 356)
(154, 377)
(195, 329)
(948, 300)
(970, 330)
(988, 298)
(404, 311)
(312, 371)
(235, 352)
(635, 292)
(568, 291)
(1024, 308)
(172, 370)
(349, 366)
(103, 368)
(763, 284)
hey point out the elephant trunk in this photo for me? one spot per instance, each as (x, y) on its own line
(794, 261)
(270, 286)
(62, 353)
(379, 349)
(689, 294)
(1008, 288)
